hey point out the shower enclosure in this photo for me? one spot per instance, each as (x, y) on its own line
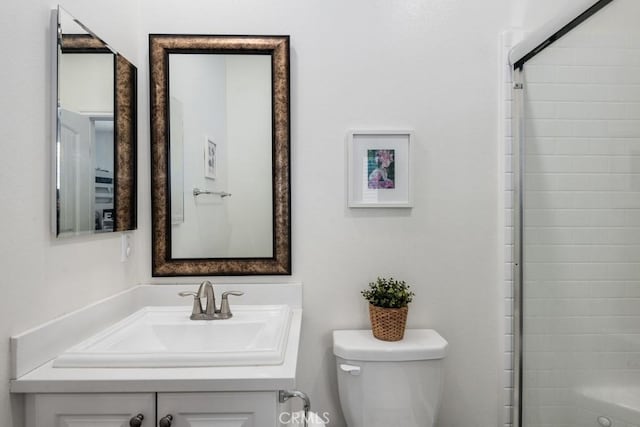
(576, 156)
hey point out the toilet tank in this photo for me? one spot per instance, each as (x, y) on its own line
(384, 384)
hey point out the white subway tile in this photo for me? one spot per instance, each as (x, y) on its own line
(508, 272)
(542, 73)
(508, 409)
(508, 288)
(508, 341)
(591, 110)
(623, 128)
(508, 202)
(508, 307)
(632, 110)
(508, 182)
(508, 213)
(553, 56)
(507, 379)
(541, 110)
(508, 328)
(508, 235)
(507, 124)
(508, 164)
(508, 147)
(508, 254)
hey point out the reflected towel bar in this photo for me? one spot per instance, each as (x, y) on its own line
(222, 194)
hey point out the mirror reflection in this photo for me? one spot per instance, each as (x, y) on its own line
(220, 154)
(220, 139)
(95, 135)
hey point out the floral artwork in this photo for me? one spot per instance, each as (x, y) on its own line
(381, 169)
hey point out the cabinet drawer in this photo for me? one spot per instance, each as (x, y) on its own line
(89, 410)
(220, 409)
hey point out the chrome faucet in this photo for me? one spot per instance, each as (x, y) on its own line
(209, 312)
(204, 291)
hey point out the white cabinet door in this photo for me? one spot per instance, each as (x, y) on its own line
(241, 409)
(90, 410)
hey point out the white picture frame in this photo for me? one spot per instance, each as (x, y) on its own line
(210, 158)
(379, 168)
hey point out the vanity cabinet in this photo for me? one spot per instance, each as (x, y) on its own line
(246, 395)
(89, 410)
(197, 409)
(242, 409)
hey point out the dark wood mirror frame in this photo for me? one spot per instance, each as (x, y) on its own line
(125, 133)
(160, 46)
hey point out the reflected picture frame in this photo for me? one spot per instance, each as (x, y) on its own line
(210, 158)
(379, 168)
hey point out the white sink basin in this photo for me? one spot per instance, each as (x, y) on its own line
(155, 337)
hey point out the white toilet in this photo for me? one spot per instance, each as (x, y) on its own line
(383, 384)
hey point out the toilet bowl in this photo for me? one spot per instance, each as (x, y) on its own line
(384, 384)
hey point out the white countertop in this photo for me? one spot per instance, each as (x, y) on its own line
(32, 355)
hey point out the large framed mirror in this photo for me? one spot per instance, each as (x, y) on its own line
(94, 156)
(220, 167)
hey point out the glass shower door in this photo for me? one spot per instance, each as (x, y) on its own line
(581, 226)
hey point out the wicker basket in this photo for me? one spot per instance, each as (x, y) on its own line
(388, 324)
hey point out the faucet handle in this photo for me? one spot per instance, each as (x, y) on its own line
(234, 293)
(197, 304)
(225, 311)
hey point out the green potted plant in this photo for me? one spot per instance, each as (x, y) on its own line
(388, 307)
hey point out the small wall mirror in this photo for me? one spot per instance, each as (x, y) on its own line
(95, 144)
(220, 155)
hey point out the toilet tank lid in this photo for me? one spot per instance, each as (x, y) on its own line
(417, 344)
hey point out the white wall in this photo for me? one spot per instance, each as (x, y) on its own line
(42, 278)
(249, 155)
(431, 66)
(86, 82)
(198, 82)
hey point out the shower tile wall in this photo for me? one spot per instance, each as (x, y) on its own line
(507, 42)
(582, 223)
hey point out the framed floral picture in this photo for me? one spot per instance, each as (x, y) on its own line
(379, 169)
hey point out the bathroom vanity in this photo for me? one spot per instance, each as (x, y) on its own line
(149, 409)
(136, 359)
